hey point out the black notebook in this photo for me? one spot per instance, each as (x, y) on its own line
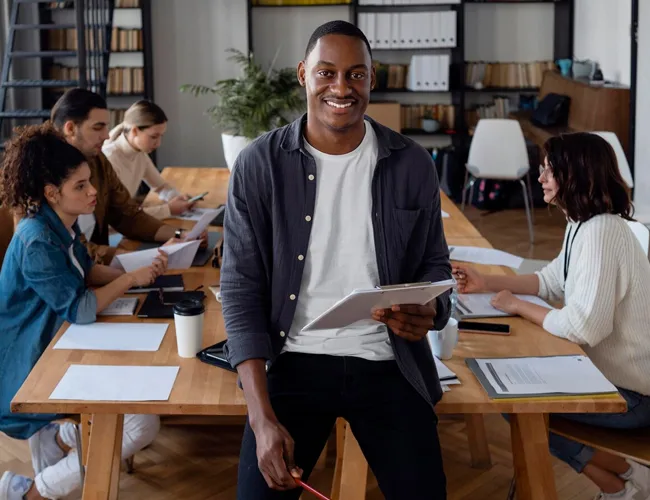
(168, 282)
(161, 304)
(214, 355)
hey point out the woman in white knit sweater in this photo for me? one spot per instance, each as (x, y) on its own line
(603, 277)
(128, 150)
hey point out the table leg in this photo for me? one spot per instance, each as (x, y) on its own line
(351, 471)
(477, 438)
(531, 457)
(104, 454)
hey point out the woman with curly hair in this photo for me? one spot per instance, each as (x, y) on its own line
(45, 280)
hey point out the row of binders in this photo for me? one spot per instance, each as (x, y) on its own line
(429, 73)
(409, 30)
(407, 2)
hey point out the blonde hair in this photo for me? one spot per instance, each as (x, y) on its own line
(142, 115)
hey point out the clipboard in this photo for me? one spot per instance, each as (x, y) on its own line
(359, 304)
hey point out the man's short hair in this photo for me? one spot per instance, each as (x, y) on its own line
(336, 28)
(76, 104)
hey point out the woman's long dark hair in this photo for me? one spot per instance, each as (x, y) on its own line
(589, 181)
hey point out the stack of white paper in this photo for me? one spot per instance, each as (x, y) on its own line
(113, 337)
(477, 305)
(550, 375)
(446, 376)
(116, 383)
(123, 306)
(180, 256)
(487, 256)
(196, 213)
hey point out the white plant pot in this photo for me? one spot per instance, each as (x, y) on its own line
(232, 146)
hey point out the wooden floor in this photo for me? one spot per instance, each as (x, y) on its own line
(200, 462)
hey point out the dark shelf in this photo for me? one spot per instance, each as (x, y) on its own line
(407, 8)
(503, 89)
(305, 5)
(126, 51)
(133, 94)
(408, 91)
(418, 131)
(511, 2)
(416, 50)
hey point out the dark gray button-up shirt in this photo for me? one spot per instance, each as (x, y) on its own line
(267, 224)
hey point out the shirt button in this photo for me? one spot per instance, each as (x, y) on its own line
(292, 297)
(282, 334)
(311, 177)
(301, 257)
(308, 218)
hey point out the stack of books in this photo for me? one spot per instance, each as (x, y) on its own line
(126, 40)
(499, 108)
(125, 81)
(506, 75)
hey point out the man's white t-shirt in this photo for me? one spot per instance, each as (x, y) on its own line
(341, 255)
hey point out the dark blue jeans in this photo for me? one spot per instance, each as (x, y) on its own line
(578, 455)
(394, 425)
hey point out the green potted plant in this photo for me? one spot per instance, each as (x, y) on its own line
(253, 103)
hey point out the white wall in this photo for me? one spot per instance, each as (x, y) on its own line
(602, 34)
(642, 144)
(189, 42)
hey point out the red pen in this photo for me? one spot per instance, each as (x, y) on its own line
(311, 490)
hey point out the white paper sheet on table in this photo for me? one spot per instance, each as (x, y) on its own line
(488, 256)
(202, 224)
(359, 304)
(545, 375)
(116, 383)
(124, 306)
(477, 305)
(113, 337)
(180, 256)
(444, 373)
(444, 214)
(196, 213)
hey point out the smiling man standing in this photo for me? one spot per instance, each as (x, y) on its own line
(327, 204)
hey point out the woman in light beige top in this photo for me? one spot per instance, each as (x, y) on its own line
(128, 150)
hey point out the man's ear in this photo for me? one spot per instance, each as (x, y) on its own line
(69, 128)
(300, 73)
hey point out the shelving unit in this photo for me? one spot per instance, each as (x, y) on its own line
(458, 92)
(132, 55)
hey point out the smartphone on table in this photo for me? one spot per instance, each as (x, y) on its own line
(488, 328)
(198, 197)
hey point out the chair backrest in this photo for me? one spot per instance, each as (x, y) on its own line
(498, 150)
(623, 165)
(6, 231)
(642, 234)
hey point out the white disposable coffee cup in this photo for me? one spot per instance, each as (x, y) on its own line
(188, 318)
(443, 342)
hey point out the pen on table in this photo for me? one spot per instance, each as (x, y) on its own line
(310, 489)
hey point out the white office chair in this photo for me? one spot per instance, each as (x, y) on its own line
(498, 152)
(623, 165)
(642, 234)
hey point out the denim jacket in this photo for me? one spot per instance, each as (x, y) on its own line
(40, 288)
(271, 198)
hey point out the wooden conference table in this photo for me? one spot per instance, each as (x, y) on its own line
(201, 389)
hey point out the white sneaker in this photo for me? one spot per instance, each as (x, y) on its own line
(640, 477)
(629, 493)
(13, 486)
(44, 448)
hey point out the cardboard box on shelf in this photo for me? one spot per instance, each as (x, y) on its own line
(386, 113)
